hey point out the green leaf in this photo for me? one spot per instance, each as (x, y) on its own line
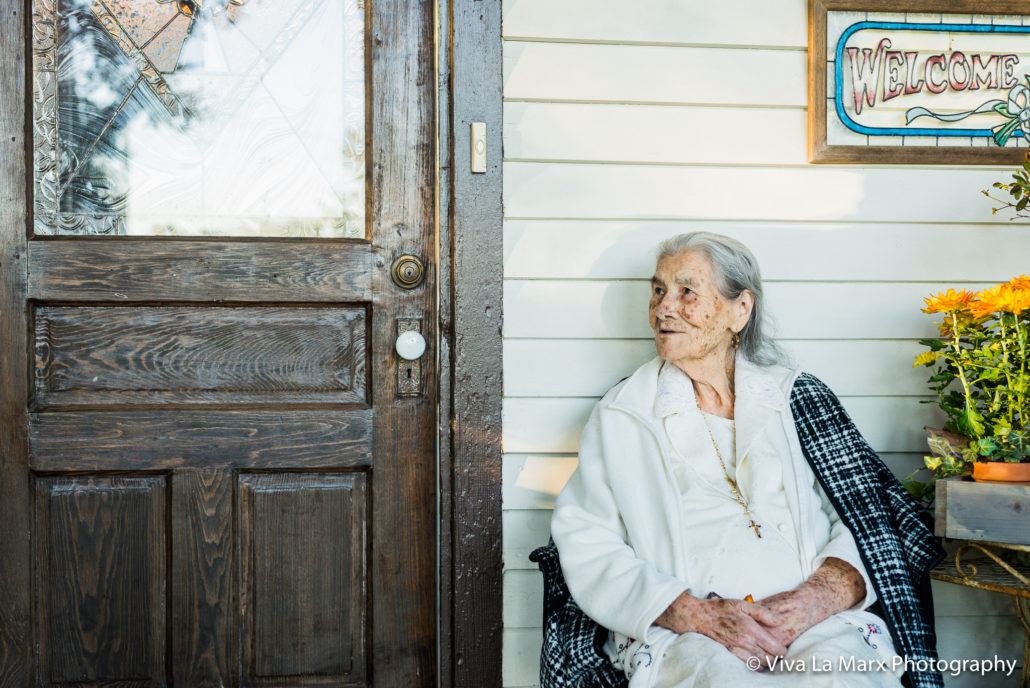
(988, 447)
(970, 422)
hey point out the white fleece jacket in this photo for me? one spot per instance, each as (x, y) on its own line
(618, 521)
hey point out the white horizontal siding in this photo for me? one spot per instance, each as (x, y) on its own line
(979, 635)
(546, 425)
(652, 74)
(533, 481)
(523, 598)
(625, 124)
(589, 367)
(799, 194)
(750, 23)
(788, 250)
(653, 134)
(520, 665)
(524, 531)
(800, 310)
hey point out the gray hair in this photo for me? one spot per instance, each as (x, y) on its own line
(736, 270)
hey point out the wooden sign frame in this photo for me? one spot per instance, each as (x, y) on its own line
(822, 152)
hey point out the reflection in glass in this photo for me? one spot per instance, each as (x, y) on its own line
(199, 117)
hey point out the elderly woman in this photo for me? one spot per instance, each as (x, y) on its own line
(727, 521)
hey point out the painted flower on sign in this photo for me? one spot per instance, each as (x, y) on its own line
(1016, 109)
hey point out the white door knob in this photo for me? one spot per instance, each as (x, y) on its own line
(411, 345)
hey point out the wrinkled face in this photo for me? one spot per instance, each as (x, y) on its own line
(690, 318)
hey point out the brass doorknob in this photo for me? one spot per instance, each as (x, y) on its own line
(408, 271)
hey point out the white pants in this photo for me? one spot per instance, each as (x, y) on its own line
(850, 649)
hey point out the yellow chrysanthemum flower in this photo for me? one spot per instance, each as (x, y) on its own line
(1019, 299)
(1021, 282)
(962, 318)
(950, 301)
(990, 300)
(1006, 298)
(926, 358)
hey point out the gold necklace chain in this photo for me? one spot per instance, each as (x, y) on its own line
(733, 483)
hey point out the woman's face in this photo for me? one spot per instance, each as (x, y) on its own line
(689, 316)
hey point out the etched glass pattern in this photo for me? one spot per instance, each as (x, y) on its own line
(199, 117)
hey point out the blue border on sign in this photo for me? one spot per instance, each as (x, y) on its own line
(838, 79)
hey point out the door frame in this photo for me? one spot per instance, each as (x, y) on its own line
(469, 51)
(15, 171)
(470, 268)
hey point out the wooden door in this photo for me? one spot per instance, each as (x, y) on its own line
(216, 471)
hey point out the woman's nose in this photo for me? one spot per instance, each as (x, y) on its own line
(667, 304)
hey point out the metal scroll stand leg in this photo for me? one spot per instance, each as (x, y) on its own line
(1022, 603)
(1023, 612)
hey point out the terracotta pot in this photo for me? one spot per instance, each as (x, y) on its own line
(1001, 472)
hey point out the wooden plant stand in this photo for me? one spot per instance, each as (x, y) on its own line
(987, 518)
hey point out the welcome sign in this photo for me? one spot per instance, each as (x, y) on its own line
(918, 86)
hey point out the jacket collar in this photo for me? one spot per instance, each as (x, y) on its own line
(658, 390)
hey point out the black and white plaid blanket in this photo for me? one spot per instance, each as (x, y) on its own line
(895, 542)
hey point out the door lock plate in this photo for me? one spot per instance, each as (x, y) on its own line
(408, 271)
(409, 373)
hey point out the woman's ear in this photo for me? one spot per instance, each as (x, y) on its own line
(745, 304)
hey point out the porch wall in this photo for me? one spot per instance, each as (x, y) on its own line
(625, 123)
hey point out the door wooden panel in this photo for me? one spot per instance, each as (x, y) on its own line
(303, 591)
(165, 440)
(65, 270)
(203, 577)
(102, 576)
(214, 469)
(106, 356)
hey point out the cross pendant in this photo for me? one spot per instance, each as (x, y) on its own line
(755, 527)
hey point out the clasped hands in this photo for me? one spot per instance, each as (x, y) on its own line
(766, 628)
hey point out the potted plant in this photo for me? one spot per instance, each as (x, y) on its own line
(981, 374)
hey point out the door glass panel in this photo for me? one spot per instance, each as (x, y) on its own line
(199, 117)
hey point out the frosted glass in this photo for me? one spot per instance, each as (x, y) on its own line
(190, 118)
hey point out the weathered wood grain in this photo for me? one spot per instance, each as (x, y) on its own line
(101, 561)
(88, 356)
(403, 168)
(303, 587)
(163, 440)
(477, 261)
(116, 269)
(202, 609)
(992, 512)
(16, 653)
(201, 447)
